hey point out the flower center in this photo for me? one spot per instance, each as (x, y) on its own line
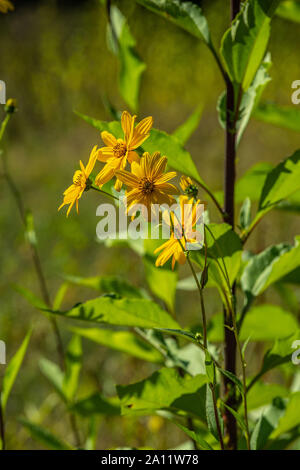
(120, 150)
(146, 186)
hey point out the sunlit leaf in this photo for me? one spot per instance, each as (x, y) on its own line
(185, 130)
(131, 65)
(287, 117)
(123, 341)
(106, 284)
(12, 370)
(291, 417)
(266, 424)
(165, 389)
(108, 309)
(186, 15)
(244, 44)
(73, 367)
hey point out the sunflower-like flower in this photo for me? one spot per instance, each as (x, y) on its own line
(188, 187)
(81, 182)
(148, 183)
(182, 226)
(5, 6)
(118, 151)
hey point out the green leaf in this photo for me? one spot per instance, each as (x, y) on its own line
(268, 267)
(186, 334)
(291, 417)
(267, 323)
(165, 389)
(245, 214)
(185, 130)
(210, 414)
(12, 370)
(262, 394)
(224, 250)
(178, 158)
(45, 436)
(289, 10)
(73, 367)
(106, 284)
(184, 14)
(131, 66)
(281, 182)
(251, 183)
(141, 313)
(244, 44)
(96, 404)
(162, 282)
(34, 300)
(249, 99)
(237, 416)
(54, 375)
(195, 436)
(262, 323)
(280, 353)
(287, 117)
(233, 379)
(266, 424)
(123, 341)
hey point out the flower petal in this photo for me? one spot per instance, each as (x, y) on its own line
(133, 157)
(108, 139)
(128, 178)
(166, 177)
(105, 153)
(105, 175)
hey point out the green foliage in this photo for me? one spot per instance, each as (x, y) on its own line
(185, 130)
(106, 284)
(45, 436)
(165, 389)
(123, 341)
(244, 44)
(96, 404)
(266, 424)
(291, 417)
(287, 117)
(195, 436)
(108, 309)
(289, 10)
(12, 370)
(131, 66)
(184, 14)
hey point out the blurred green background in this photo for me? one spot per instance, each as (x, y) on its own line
(54, 60)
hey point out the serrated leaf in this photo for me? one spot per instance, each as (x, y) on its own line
(12, 370)
(106, 284)
(184, 14)
(123, 341)
(141, 313)
(165, 389)
(244, 44)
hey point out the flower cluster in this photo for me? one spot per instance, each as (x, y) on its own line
(147, 183)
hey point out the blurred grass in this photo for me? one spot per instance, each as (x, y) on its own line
(54, 60)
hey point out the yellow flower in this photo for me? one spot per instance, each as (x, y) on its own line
(148, 182)
(5, 6)
(118, 151)
(81, 182)
(181, 234)
(188, 187)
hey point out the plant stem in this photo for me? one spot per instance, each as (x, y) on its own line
(104, 193)
(229, 183)
(210, 194)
